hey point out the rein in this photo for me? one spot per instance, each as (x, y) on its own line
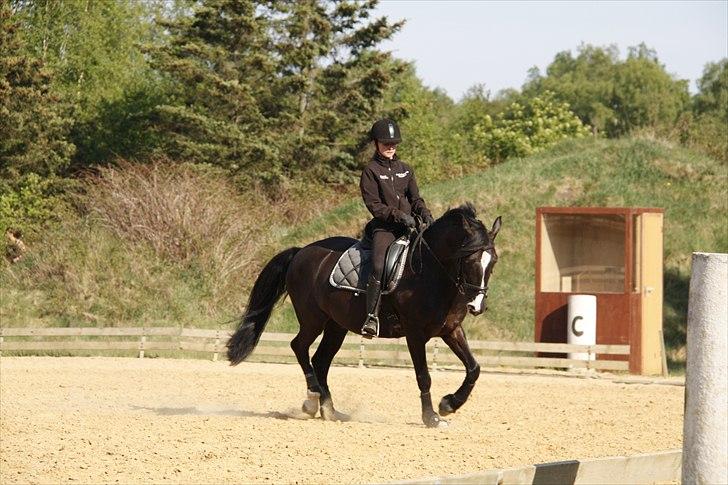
(460, 283)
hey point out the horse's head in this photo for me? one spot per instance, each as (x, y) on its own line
(466, 242)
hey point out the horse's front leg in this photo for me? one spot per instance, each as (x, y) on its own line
(416, 346)
(459, 345)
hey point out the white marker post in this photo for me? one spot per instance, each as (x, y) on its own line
(705, 431)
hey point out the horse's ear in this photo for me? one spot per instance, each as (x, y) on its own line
(496, 227)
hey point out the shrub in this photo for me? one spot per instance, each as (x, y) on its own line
(523, 130)
(25, 208)
(187, 214)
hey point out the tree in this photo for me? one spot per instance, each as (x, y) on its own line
(33, 123)
(269, 89)
(424, 118)
(94, 50)
(586, 82)
(614, 97)
(712, 97)
(33, 135)
(706, 128)
(645, 94)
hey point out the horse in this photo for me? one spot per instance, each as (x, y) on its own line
(439, 285)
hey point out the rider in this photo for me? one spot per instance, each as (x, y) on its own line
(390, 192)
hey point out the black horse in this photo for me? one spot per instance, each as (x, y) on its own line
(448, 276)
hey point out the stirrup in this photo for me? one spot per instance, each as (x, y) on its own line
(371, 327)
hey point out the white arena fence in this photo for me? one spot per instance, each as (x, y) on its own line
(273, 347)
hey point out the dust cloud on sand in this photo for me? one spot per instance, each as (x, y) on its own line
(115, 420)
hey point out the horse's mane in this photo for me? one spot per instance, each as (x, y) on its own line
(479, 234)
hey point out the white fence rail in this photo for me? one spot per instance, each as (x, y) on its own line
(273, 347)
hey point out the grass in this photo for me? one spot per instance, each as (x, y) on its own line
(691, 188)
(84, 273)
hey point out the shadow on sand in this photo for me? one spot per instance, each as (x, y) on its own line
(292, 414)
(190, 411)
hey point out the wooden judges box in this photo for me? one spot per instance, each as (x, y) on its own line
(615, 254)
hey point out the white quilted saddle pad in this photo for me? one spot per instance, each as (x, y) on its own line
(352, 270)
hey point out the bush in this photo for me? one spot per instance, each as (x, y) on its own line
(189, 215)
(25, 208)
(709, 134)
(525, 130)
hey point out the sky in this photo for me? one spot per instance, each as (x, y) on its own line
(457, 44)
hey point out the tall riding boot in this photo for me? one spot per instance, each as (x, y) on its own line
(371, 326)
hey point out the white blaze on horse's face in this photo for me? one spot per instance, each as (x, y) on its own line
(476, 305)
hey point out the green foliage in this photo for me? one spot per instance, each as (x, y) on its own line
(645, 94)
(422, 115)
(268, 90)
(27, 208)
(523, 130)
(29, 205)
(464, 143)
(93, 48)
(704, 132)
(712, 97)
(33, 123)
(614, 97)
(707, 128)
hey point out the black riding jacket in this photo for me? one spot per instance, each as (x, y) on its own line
(389, 190)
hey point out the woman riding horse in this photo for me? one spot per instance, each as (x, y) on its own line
(447, 276)
(390, 192)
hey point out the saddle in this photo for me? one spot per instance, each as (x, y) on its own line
(351, 271)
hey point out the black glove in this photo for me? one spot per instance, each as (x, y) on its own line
(428, 219)
(408, 220)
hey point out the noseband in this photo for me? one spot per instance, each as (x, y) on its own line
(462, 283)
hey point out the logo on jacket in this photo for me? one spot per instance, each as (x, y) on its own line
(384, 177)
(391, 130)
(402, 175)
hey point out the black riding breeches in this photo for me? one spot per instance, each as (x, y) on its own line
(382, 235)
(381, 240)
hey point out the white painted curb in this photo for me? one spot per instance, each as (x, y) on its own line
(705, 432)
(647, 468)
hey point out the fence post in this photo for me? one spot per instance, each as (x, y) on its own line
(705, 426)
(1, 342)
(434, 357)
(141, 343)
(217, 345)
(589, 354)
(663, 351)
(361, 352)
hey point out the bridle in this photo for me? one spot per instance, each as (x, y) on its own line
(463, 283)
(459, 281)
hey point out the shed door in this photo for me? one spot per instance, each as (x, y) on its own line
(650, 278)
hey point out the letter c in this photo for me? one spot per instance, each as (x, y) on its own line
(578, 333)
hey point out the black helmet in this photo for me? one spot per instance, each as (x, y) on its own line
(385, 131)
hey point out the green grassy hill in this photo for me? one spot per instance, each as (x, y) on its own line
(692, 190)
(82, 273)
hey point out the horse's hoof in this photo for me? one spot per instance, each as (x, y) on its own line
(445, 407)
(328, 413)
(311, 404)
(435, 421)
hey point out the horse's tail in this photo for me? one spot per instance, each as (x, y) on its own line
(268, 288)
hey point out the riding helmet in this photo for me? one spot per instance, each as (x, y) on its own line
(385, 131)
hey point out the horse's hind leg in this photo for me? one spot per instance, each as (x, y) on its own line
(459, 345)
(330, 344)
(300, 345)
